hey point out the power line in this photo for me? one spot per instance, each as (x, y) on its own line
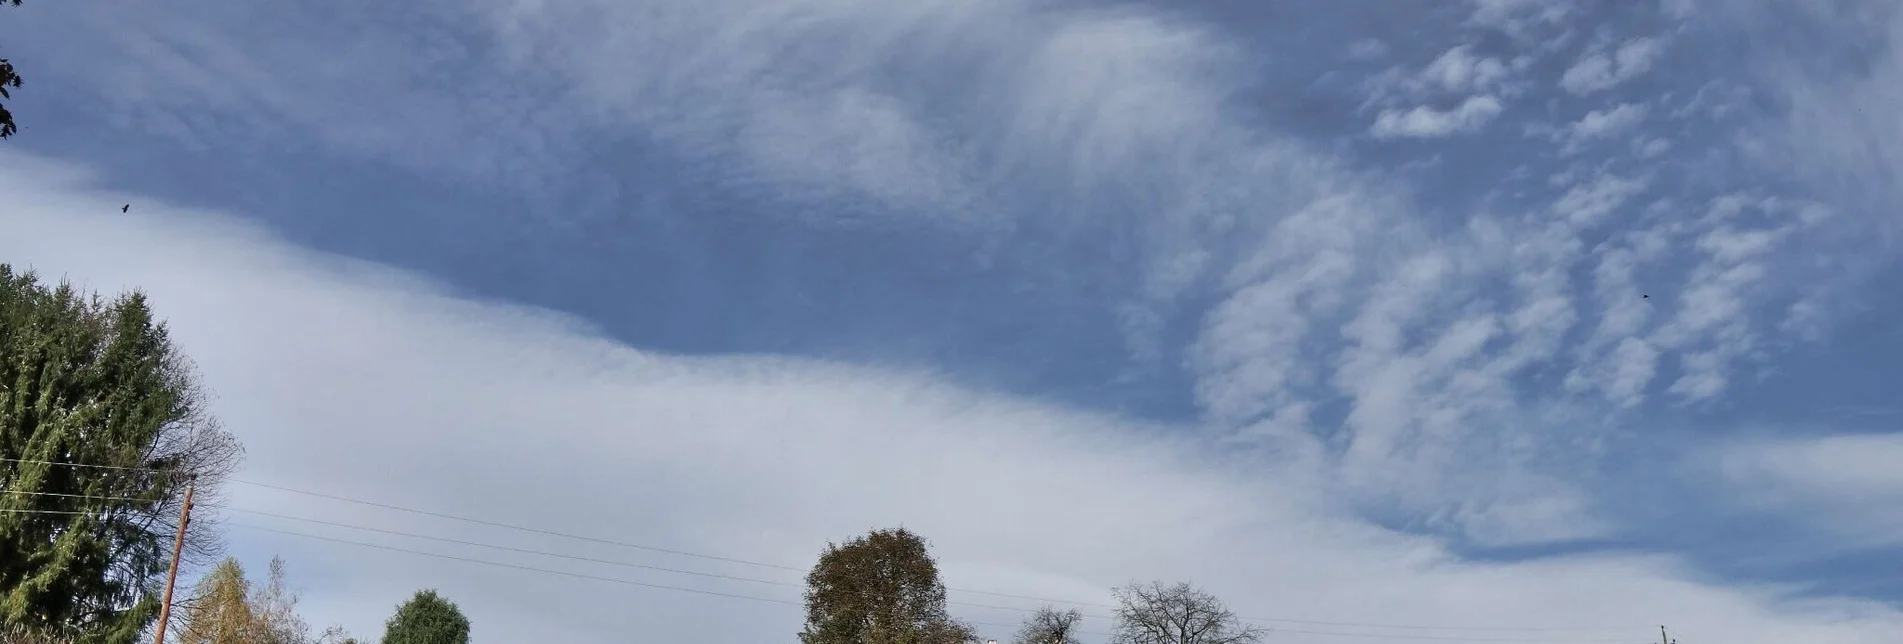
(28, 461)
(585, 559)
(781, 601)
(1575, 629)
(609, 562)
(495, 524)
(76, 496)
(684, 553)
(516, 567)
(764, 581)
(1443, 638)
(735, 596)
(547, 571)
(962, 590)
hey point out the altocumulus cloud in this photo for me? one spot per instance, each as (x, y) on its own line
(363, 381)
(1384, 354)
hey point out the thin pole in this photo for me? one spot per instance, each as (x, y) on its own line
(178, 546)
(1662, 637)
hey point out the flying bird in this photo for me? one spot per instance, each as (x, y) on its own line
(1645, 297)
(125, 208)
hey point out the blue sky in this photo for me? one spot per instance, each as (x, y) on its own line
(1531, 285)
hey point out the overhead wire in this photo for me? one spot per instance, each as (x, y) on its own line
(609, 562)
(121, 468)
(1264, 620)
(86, 497)
(780, 601)
(498, 564)
(950, 588)
(496, 524)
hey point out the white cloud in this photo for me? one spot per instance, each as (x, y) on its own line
(1459, 70)
(1591, 203)
(1840, 131)
(355, 379)
(1714, 325)
(1623, 376)
(1599, 124)
(1519, 18)
(1599, 70)
(1848, 484)
(1122, 121)
(1424, 122)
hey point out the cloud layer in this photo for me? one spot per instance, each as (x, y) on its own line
(1449, 283)
(361, 381)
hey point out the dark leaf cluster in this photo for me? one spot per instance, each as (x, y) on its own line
(102, 425)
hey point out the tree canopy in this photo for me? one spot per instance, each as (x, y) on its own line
(1155, 613)
(427, 618)
(102, 425)
(881, 588)
(219, 608)
(226, 608)
(1050, 626)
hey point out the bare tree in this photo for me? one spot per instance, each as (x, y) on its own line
(335, 635)
(1177, 614)
(1048, 626)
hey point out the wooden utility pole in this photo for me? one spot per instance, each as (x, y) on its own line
(178, 546)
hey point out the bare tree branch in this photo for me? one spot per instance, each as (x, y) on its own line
(1154, 613)
(1048, 626)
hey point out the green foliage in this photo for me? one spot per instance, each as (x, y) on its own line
(8, 81)
(86, 381)
(882, 588)
(427, 619)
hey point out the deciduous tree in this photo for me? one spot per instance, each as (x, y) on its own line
(336, 635)
(882, 588)
(274, 611)
(218, 609)
(1177, 614)
(1050, 626)
(224, 607)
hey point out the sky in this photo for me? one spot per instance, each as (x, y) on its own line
(1483, 320)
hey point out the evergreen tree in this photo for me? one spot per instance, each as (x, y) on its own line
(102, 424)
(882, 588)
(427, 619)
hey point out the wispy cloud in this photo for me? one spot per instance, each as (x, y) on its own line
(1455, 360)
(1605, 67)
(360, 380)
(1426, 122)
(1600, 124)
(1846, 484)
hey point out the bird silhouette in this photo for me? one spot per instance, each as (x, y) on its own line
(1645, 297)
(125, 208)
